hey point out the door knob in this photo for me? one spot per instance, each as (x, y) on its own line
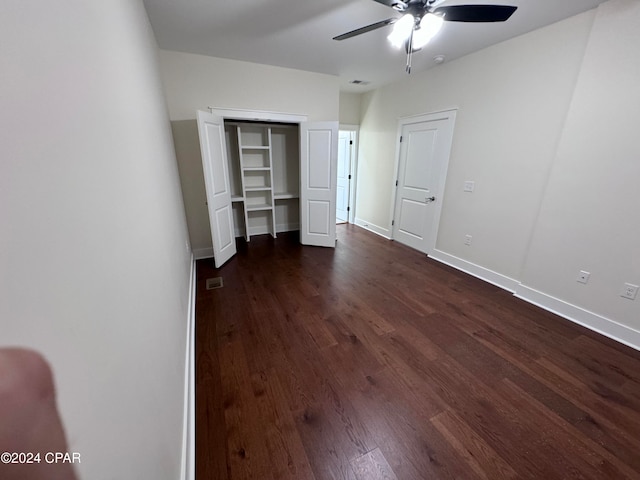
(429, 199)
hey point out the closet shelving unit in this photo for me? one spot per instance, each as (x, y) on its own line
(264, 181)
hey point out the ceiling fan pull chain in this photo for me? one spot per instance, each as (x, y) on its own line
(409, 52)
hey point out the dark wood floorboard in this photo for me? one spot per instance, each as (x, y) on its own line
(371, 361)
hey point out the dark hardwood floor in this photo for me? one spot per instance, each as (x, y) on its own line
(372, 361)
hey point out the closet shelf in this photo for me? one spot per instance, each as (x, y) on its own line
(264, 161)
(285, 196)
(255, 208)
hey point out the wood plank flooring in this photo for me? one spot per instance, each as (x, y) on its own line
(372, 361)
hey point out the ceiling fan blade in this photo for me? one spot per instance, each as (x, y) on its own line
(368, 28)
(475, 13)
(391, 3)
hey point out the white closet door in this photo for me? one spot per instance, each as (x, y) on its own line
(216, 180)
(318, 162)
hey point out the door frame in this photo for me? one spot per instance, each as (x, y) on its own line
(450, 116)
(293, 118)
(257, 115)
(355, 129)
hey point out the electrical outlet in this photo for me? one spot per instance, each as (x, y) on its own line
(469, 186)
(583, 277)
(467, 240)
(629, 291)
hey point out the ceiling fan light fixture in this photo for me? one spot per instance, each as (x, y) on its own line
(430, 25)
(401, 31)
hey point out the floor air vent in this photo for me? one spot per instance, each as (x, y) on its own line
(215, 282)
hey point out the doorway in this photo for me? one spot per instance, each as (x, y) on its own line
(258, 188)
(346, 174)
(424, 148)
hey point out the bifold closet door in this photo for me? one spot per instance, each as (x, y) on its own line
(318, 163)
(216, 179)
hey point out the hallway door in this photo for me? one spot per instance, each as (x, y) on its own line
(343, 190)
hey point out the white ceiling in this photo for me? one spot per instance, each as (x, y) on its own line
(298, 33)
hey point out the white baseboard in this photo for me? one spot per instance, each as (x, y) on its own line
(188, 464)
(602, 325)
(258, 231)
(200, 253)
(287, 227)
(592, 321)
(282, 227)
(482, 273)
(383, 232)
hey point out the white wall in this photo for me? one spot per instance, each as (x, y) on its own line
(548, 139)
(350, 105)
(196, 82)
(186, 141)
(512, 99)
(589, 219)
(94, 270)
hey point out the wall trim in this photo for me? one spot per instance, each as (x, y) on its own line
(597, 323)
(383, 232)
(267, 116)
(602, 325)
(287, 227)
(187, 468)
(265, 230)
(477, 271)
(200, 253)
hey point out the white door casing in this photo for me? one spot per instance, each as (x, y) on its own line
(422, 166)
(318, 163)
(343, 176)
(216, 178)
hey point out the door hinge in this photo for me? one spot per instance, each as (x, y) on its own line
(400, 138)
(350, 142)
(393, 222)
(348, 209)
(349, 177)
(396, 183)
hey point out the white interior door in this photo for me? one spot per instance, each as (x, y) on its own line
(343, 183)
(216, 179)
(318, 163)
(424, 155)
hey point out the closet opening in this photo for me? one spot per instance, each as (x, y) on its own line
(267, 173)
(264, 176)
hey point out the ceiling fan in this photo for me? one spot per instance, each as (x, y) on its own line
(422, 19)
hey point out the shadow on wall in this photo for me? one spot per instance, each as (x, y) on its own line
(187, 145)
